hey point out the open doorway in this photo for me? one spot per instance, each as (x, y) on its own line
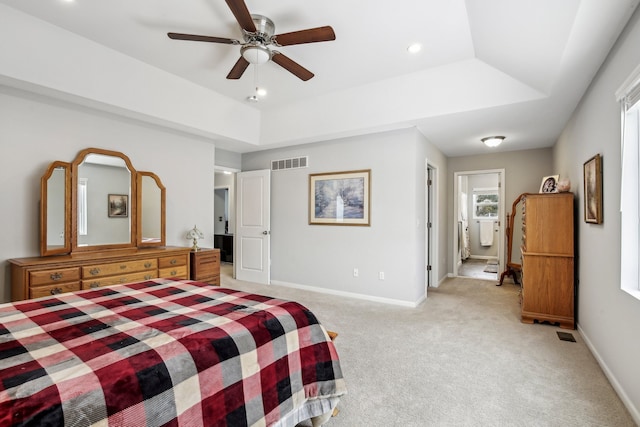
(478, 229)
(224, 214)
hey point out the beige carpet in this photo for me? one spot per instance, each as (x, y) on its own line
(462, 358)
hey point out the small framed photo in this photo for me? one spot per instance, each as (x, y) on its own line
(118, 206)
(549, 184)
(593, 190)
(340, 198)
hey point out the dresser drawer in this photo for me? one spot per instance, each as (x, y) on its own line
(47, 277)
(118, 280)
(172, 261)
(117, 268)
(47, 291)
(178, 272)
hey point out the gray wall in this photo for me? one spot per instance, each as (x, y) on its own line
(34, 131)
(325, 256)
(608, 318)
(523, 173)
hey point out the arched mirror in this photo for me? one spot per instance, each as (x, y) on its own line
(151, 210)
(55, 193)
(102, 204)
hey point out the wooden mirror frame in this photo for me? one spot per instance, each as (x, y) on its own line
(45, 248)
(71, 207)
(140, 209)
(511, 268)
(80, 158)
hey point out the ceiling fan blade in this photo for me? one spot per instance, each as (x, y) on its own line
(238, 69)
(193, 37)
(291, 66)
(240, 11)
(312, 35)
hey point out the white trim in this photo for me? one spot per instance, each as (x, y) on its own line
(350, 294)
(626, 401)
(630, 82)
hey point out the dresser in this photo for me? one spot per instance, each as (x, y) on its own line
(51, 275)
(205, 266)
(548, 289)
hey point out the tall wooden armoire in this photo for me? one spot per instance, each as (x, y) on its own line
(548, 288)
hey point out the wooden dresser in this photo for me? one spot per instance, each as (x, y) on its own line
(548, 289)
(51, 275)
(205, 266)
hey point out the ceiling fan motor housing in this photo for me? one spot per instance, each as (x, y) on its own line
(265, 28)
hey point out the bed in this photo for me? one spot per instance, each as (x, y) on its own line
(165, 352)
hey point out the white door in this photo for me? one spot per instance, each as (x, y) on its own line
(253, 226)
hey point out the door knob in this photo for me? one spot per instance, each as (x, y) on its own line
(265, 232)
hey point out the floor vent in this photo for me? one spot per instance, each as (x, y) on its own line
(566, 336)
(293, 163)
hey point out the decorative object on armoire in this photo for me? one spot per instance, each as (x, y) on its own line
(549, 184)
(593, 190)
(194, 234)
(563, 186)
(340, 198)
(548, 289)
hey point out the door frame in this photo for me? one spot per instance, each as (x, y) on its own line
(501, 214)
(431, 236)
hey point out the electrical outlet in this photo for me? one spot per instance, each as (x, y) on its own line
(355, 272)
(381, 275)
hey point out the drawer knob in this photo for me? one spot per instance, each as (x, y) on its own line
(173, 261)
(56, 276)
(56, 291)
(123, 267)
(123, 280)
(147, 265)
(94, 285)
(173, 273)
(148, 277)
(94, 271)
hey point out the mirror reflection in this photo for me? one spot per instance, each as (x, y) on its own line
(151, 194)
(103, 201)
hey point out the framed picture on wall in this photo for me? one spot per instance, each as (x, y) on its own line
(340, 198)
(593, 190)
(118, 206)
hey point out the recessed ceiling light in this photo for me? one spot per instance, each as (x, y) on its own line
(252, 98)
(414, 48)
(261, 91)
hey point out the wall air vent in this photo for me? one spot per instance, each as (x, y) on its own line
(294, 163)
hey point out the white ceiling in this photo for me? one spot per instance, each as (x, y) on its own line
(488, 67)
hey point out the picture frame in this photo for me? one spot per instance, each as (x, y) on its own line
(118, 205)
(340, 198)
(592, 171)
(549, 184)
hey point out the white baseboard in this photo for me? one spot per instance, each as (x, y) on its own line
(350, 294)
(635, 412)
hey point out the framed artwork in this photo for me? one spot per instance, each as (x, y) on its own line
(118, 206)
(593, 190)
(549, 184)
(340, 198)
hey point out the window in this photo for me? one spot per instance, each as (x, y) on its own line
(629, 97)
(82, 206)
(485, 203)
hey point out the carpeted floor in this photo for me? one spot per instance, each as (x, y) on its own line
(462, 358)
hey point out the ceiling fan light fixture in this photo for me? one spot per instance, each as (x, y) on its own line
(255, 54)
(492, 141)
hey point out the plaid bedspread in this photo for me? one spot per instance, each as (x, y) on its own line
(163, 353)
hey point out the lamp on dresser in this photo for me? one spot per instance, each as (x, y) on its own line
(195, 234)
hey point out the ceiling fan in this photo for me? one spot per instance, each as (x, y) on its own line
(258, 36)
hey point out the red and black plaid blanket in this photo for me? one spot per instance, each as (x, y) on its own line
(164, 353)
